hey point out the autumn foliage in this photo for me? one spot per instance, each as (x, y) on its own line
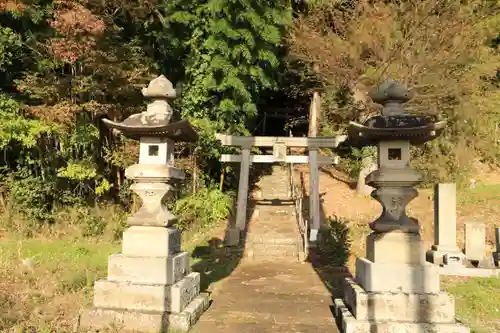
(442, 50)
(78, 28)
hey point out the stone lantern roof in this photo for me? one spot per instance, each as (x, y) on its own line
(394, 123)
(155, 121)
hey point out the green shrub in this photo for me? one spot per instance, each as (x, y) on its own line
(87, 222)
(92, 225)
(118, 225)
(205, 207)
(334, 241)
(32, 197)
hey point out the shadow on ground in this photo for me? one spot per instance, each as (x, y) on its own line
(329, 258)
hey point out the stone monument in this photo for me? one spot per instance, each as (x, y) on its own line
(445, 250)
(395, 289)
(149, 287)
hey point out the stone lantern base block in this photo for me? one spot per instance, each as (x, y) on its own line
(148, 241)
(385, 277)
(148, 270)
(147, 297)
(144, 321)
(349, 324)
(395, 248)
(395, 298)
(398, 307)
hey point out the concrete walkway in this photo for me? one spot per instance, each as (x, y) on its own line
(270, 290)
(269, 297)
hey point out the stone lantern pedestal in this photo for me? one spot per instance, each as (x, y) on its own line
(395, 290)
(149, 287)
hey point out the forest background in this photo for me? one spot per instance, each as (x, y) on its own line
(66, 64)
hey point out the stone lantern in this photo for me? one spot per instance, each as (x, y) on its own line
(149, 287)
(395, 289)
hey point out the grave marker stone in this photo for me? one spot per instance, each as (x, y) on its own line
(475, 236)
(445, 250)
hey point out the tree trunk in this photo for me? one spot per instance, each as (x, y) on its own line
(314, 115)
(195, 176)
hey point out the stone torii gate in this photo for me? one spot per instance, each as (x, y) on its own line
(280, 145)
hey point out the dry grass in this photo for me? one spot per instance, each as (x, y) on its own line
(46, 279)
(45, 282)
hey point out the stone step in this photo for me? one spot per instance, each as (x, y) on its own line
(272, 239)
(284, 249)
(267, 297)
(273, 310)
(274, 258)
(261, 327)
(272, 234)
(280, 197)
(272, 215)
(276, 253)
(274, 248)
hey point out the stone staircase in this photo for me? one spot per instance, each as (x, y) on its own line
(272, 233)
